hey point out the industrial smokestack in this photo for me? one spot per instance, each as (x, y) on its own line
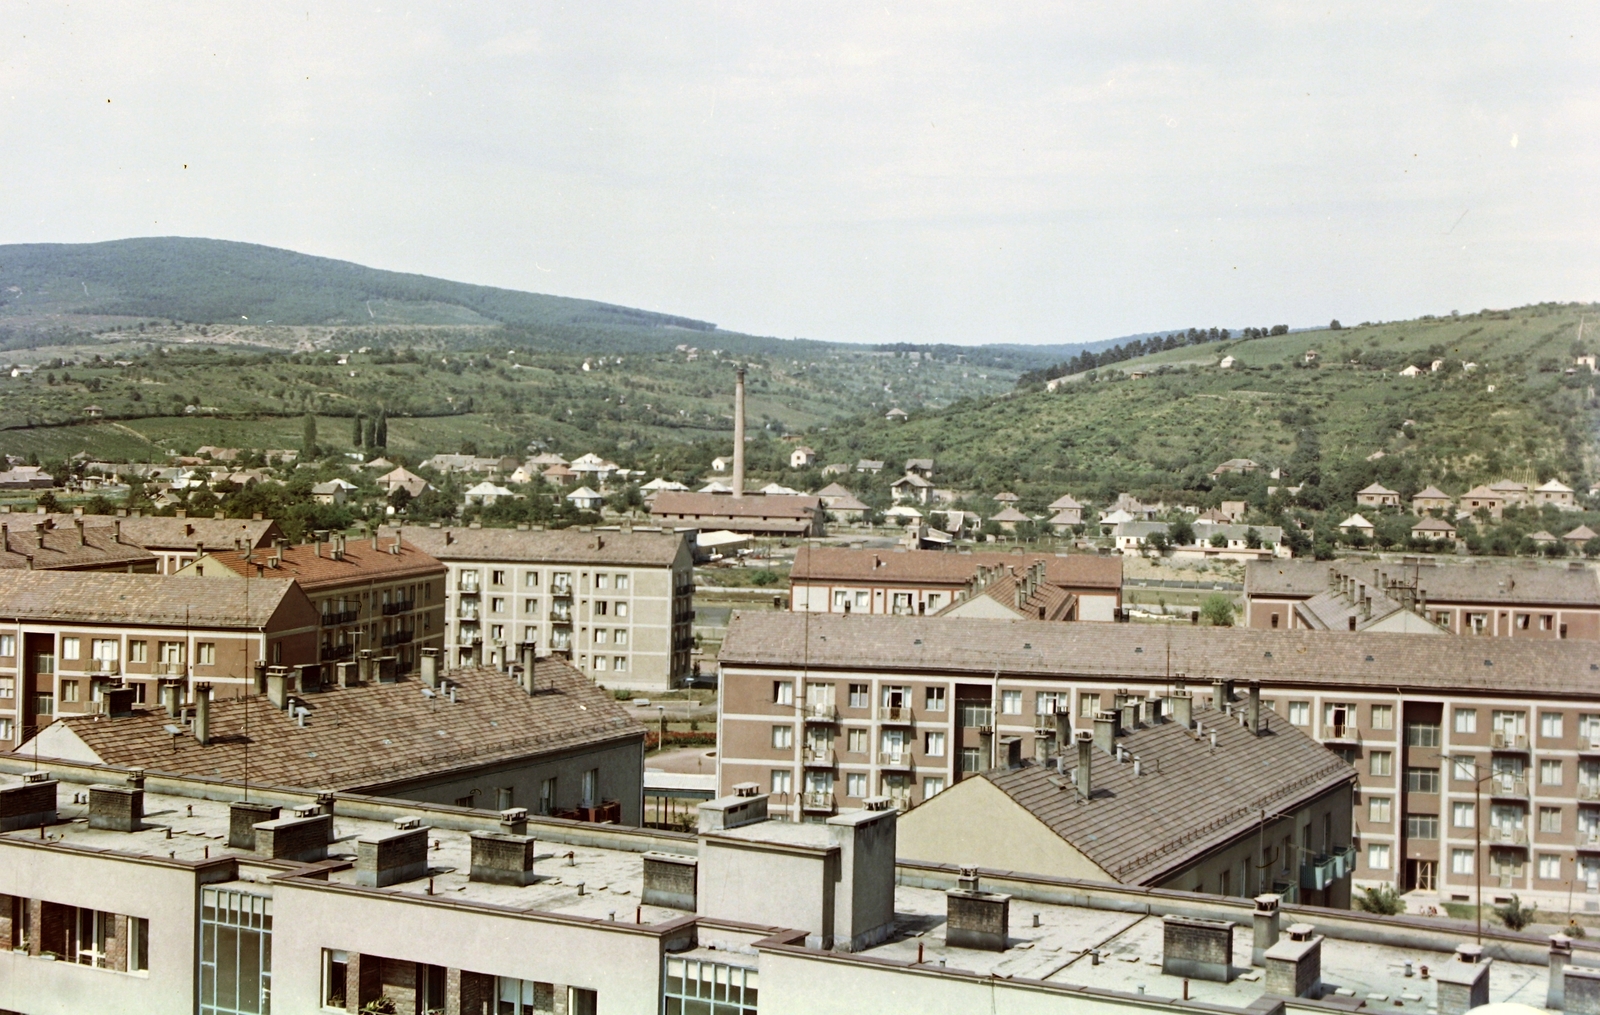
(738, 433)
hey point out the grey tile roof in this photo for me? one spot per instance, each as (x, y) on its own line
(99, 549)
(1138, 652)
(159, 532)
(366, 737)
(834, 563)
(101, 597)
(1481, 581)
(1188, 799)
(644, 548)
(796, 507)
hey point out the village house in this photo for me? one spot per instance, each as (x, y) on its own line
(1579, 538)
(1008, 518)
(175, 540)
(912, 488)
(1555, 492)
(920, 466)
(402, 479)
(585, 499)
(1482, 498)
(1068, 512)
(486, 493)
(334, 491)
(802, 458)
(1356, 525)
(1434, 530)
(869, 465)
(1237, 466)
(1377, 495)
(1430, 498)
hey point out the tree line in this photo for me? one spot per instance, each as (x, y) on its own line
(1140, 347)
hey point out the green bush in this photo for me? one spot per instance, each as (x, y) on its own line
(1217, 610)
(1514, 914)
(1383, 900)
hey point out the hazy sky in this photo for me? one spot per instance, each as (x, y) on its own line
(903, 172)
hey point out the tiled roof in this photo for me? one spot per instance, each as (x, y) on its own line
(375, 735)
(645, 548)
(1115, 652)
(910, 479)
(103, 597)
(834, 490)
(1431, 493)
(1008, 514)
(1379, 489)
(1064, 502)
(1433, 525)
(314, 567)
(61, 548)
(1048, 602)
(825, 563)
(1481, 581)
(159, 532)
(1188, 799)
(669, 502)
(847, 502)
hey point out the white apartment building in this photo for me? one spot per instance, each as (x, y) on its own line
(619, 604)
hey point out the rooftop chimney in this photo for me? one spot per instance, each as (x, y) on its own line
(278, 686)
(171, 697)
(429, 664)
(1130, 713)
(78, 523)
(388, 858)
(1151, 711)
(1221, 694)
(1105, 732)
(1084, 775)
(202, 713)
(1182, 708)
(738, 433)
(1254, 713)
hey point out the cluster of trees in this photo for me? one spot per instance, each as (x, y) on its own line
(1140, 347)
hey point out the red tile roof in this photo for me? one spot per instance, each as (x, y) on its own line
(315, 566)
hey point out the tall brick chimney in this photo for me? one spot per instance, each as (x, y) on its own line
(738, 433)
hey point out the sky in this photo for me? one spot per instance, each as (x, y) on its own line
(930, 172)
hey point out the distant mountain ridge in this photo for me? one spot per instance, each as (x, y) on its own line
(220, 281)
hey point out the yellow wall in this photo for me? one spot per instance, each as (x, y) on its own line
(973, 823)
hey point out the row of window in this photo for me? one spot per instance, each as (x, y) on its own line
(1501, 863)
(900, 602)
(855, 784)
(87, 937)
(892, 743)
(560, 581)
(1507, 722)
(110, 649)
(1463, 814)
(563, 611)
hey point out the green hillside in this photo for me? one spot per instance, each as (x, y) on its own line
(1518, 412)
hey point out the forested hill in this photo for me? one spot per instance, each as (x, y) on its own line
(200, 281)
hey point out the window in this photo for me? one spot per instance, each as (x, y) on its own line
(1422, 780)
(138, 944)
(530, 606)
(602, 581)
(1380, 763)
(1461, 861)
(497, 577)
(1378, 856)
(335, 978)
(902, 603)
(782, 737)
(1550, 725)
(8, 686)
(235, 952)
(138, 651)
(1422, 734)
(619, 609)
(531, 580)
(855, 785)
(205, 653)
(934, 698)
(497, 632)
(1461, 815)
(591, 787)
(1088, 705)
(862, 602)
(782, 781)
(622, 582)
(1011, 702)
(69, 690)
(600, 608)
(933, 745)
(1466, 720)
(1378, 810)
(1383, 717)
(523, 997)
(971, 759)
(8, 645)
(1549, 773)
(70, 648)
(602, 636)
(1463, 768)
(1588, 725)
(172, 652)
(856, 741)
(705, 986)
(1422, 826)
(619, 662)
(841, 600)
(101, 648)
(497, 604)
(1549, 819)
(1300, 713)
(8, 728)
(860, 696)
(932, 786)
(547, 795)
(783, 692)
(1049, 702)
(934, 601)
(1550, 866)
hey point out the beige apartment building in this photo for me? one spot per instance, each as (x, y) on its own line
(1475, 757)
(68, 639)
(828, 579)
(619, 604)
(377, 595)
(1498, 598)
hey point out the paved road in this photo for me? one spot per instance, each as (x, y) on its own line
(688, 760)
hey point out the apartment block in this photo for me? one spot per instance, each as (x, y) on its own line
(379, 595)
(619, 604)
(174, 540)
(37, 544)
(543, 738)
(225, 902)
(1495, 598)
(67, 640)
(1473, 755)
(828, 579)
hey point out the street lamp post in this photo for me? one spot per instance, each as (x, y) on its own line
(1477, 833)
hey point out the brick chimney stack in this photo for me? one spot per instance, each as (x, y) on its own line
(738, 433)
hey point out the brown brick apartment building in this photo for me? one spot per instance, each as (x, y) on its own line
(825, 710)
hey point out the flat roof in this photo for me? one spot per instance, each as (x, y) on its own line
(1107, 653)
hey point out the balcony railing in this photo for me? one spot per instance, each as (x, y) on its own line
(819, 713)
(398, 638)
(817, 803)
(895, 759)
(819, 757)
(1502, 836)
(168, 668)
(1508, 786)
(105, 667)
(341, 617)
(560, 644)
(333, 653)
(468, 611)
(1343, 732)
(562, 616)
(402, 606)
(467, 588)
(1589, 791)
(900, 714)
(974, 716)
(901, 801)
(1589, 839)
(1502, 741)
(469, 638)
(1324, 869)
(1589, 745)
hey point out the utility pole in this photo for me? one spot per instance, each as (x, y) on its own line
(1477, 832)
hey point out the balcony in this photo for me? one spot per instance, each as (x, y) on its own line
(1324, 869)
(895, 715)
(468, 612)
(817, 802)
(1589, 791)
(971, 716)
(901, 801)
(403, 606)
(561, 616)
(1502, 741)
(342, 617)
(167, 668)
(1510, 786)
(1589, 745)
(1589, 839)
(819, 713)
(105, 667)
(558, 643)
(1501, 836)
(469, 638)
(467, 588)
(333, 653)
(819, 757)
(398, 638)
(1341, 733)
(895, 759)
